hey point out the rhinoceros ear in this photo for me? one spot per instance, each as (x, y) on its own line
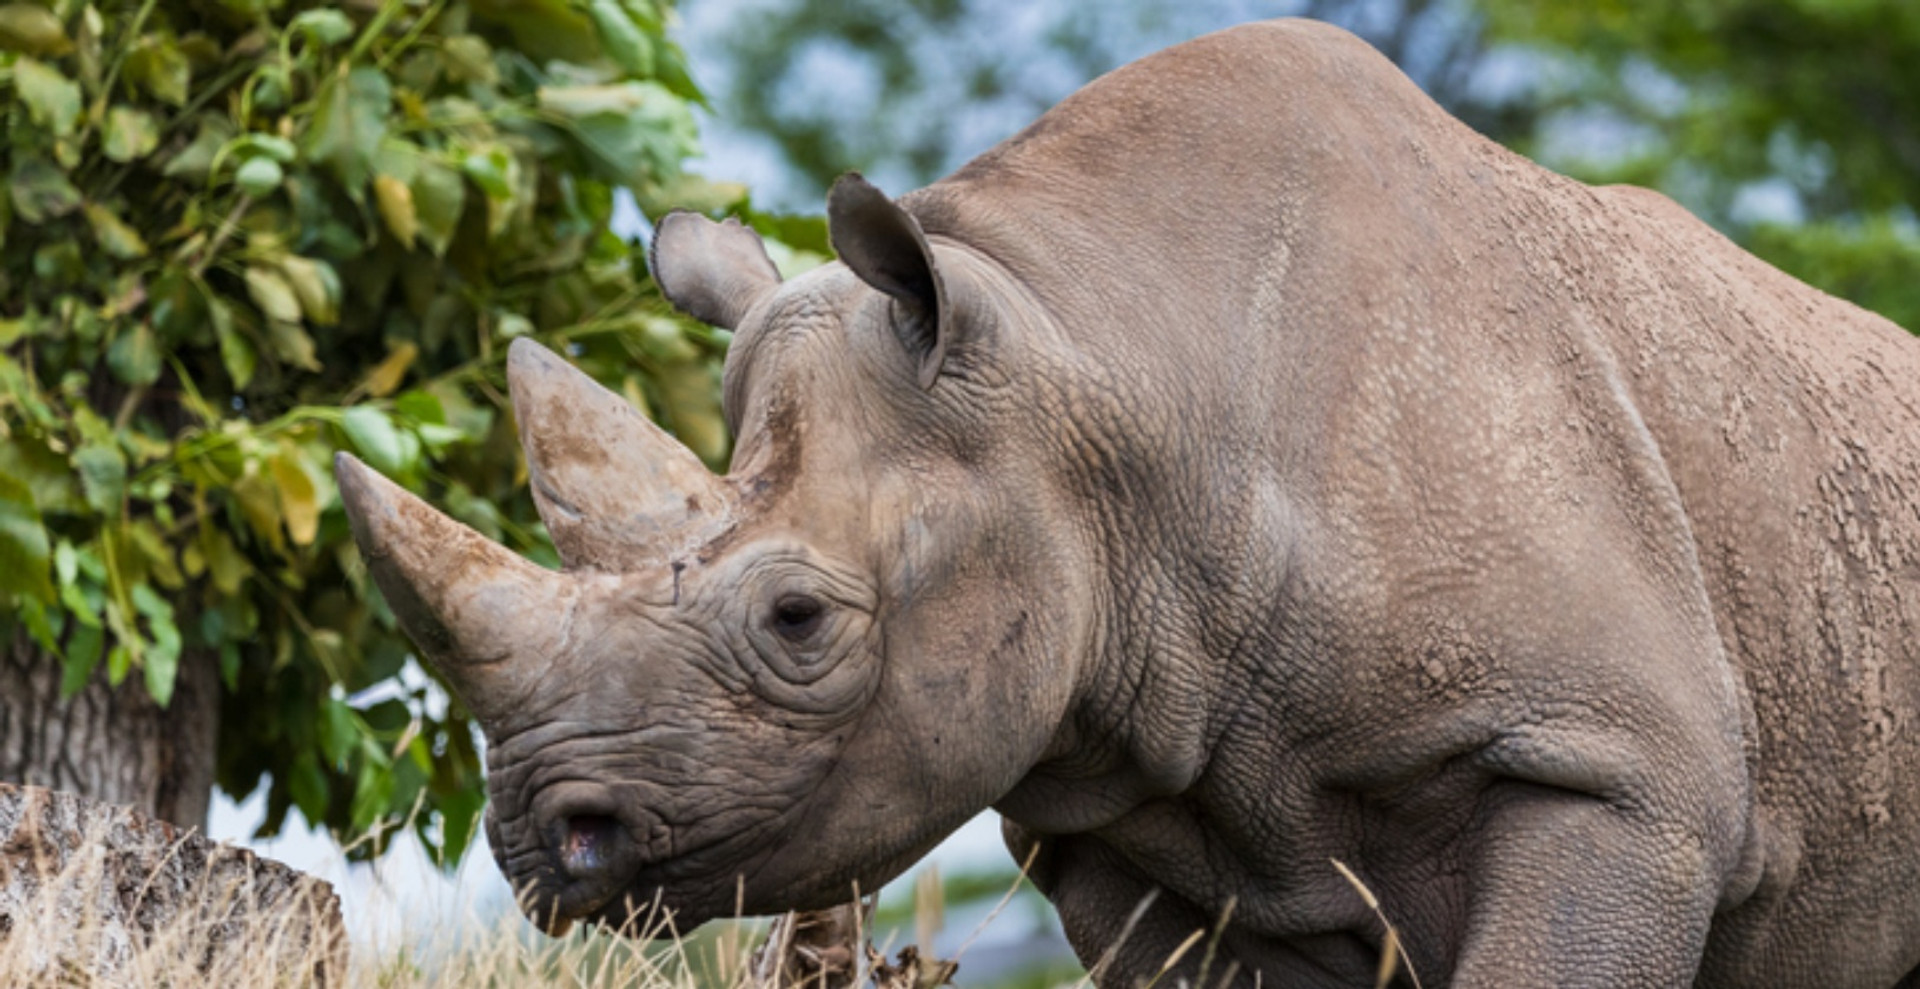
(887, 249)
(713, 272)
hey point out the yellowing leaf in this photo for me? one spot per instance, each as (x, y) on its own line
(271, 292)
(260, 506)
(299, 498)
(161, 68)
(396, 207)
(53, 100)
(387, 375)
(317, 286)
(113, 234)
(32, 29)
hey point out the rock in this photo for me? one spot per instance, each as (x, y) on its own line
(94, 894)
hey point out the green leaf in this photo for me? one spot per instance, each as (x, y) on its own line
(53, 100)
(621, 39)
(84, 648)
(317, 286)
(348, 124)
(339, 733)
(271, 292)
(195, 161)
(372, 791)
(161, 68)
(237, 354)
(23, 543)
(307, 783)
(113, 235)
(161, 659)
(292, 344)
(135, 356)
(32, 29)
(630, 132)
(374, 436)
(40, 190)
(328, 27)
(129, 134)
(258, 176)
(103, 476)
(119, 663)
(469, 59)
(439, 194)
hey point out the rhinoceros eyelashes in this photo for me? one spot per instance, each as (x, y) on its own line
(885, 246)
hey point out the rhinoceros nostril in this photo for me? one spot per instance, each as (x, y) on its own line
(588, 845)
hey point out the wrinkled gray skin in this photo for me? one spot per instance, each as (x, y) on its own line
(1249, 467)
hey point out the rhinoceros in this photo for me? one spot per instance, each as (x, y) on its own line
(1243, 468)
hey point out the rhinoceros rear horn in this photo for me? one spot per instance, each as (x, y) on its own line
(616, 492)
(713, 272)
(885, 246)
(470, 604)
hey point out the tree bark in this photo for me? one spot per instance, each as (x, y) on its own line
(110, 744)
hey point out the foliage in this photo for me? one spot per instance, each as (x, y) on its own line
(237, 235)
(1813, 102)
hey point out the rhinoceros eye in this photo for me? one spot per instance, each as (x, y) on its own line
(797, 616)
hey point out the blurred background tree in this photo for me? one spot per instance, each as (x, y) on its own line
(236, 236)
(1792, 125)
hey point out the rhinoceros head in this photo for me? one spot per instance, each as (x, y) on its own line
(754, 691)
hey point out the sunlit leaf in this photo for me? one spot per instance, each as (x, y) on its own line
(270, 291)
(113, 234)
(53, 100)
(317, 287)
(258, 176)
(328, 27)
(299, 498)
(128, 134)
(374, 436)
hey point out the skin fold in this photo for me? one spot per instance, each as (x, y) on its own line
(1244, 467)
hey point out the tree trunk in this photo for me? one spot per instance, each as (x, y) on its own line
(110, 744)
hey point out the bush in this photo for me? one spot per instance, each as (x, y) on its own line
(239, 234)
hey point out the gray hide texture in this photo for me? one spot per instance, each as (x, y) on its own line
(1245, 466)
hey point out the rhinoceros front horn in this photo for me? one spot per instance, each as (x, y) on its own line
(616, 492)
(470, 604)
